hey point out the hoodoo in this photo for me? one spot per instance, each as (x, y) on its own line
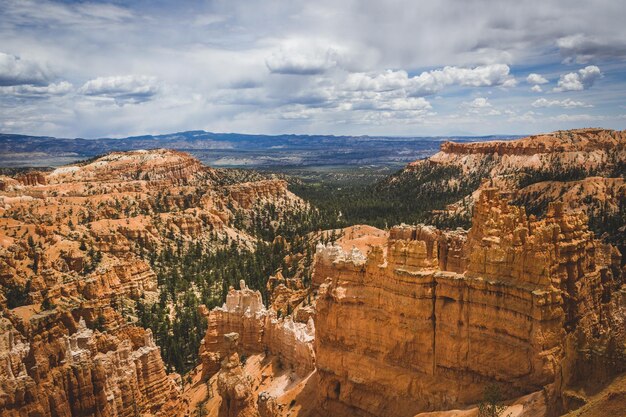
(427, 322)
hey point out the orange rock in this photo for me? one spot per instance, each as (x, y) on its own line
(233, 385)
(79, 372)
(261, 331)
(428, 324)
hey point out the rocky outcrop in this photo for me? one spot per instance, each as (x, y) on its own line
(233, 385)
(427, 322)
(32, 178)
(579, 140)
(267, 405)
(132, 278)
(286, 294)
(260, 330)
(81, 241)
(583, 168)
(67, 369)
(249, 193)
(158, 165)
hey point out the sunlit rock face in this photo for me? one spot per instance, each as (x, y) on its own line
(76, 242)
(67, 369)
(260, 330)
(427, 321)
(233, 385)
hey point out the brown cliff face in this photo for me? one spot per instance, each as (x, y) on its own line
(32, 178)
(590, 149)
(76, 243)
(67, 369)
(427, 323)
(233, 385)
(249, 193)
(259, 330)
(79, 226)
(156, 166)
(583, 168)
(579, 140)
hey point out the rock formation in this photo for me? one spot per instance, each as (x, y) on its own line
(78, 242)
(248, 194)
(267, 405)
(425, 323)
(581, 168)
(233, 385)
(594, 144)
(67, 369)
(261, 331)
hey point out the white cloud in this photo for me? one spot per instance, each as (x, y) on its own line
(481, 106)
(534, 78)
(16, 71)
(431, 82)
(581, 80)
(578, 118)
(478, 103)
(396, 104)
(567, 103)
(122, 88)
(34, 91)
(53, 14)
(302, 58)
(238, 65)
(527, 117)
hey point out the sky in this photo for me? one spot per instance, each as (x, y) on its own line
(344, 67)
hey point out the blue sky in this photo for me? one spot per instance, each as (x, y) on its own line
(394, 67)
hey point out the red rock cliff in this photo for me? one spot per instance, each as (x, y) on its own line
(428, 321)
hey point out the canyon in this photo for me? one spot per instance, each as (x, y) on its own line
(74, 246)
(413, 320)
(582, 168)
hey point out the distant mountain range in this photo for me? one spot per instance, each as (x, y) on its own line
(232, 149)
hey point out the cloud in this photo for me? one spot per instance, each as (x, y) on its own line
(578, 118)
(55, 14)
(478, 103)
(295, 62)
(577, 81)
(567, 103)
(528, 117)
(245, 83)
(396, 104)
(536, 79)
(431, 82)
(16, 71)
(353, 67)
(122, 88)
(34, 91)
(480, 106)
(581, 48)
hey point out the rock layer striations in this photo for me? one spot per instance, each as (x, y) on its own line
(428, 321)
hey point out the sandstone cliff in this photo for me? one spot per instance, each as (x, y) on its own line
(80, 242)
(233, 385)
(584, 169)
(260, 330)
(428, 321)
(65, 369)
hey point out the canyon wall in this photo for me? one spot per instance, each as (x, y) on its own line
(66, 369)
(259, 329)
(428, 321)
(80, 243)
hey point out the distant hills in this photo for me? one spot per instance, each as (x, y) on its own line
(233, 149)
